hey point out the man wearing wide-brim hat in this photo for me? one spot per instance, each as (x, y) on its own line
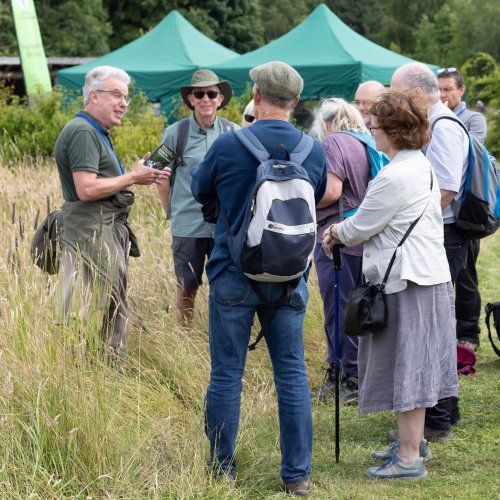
(192, 240)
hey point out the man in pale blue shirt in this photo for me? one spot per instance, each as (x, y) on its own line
(468, 299)
(192, 238)
(448, 152)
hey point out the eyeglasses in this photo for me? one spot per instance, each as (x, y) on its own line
(442, 71)
(249, 118)
(374, 128)
(211, 94)
(116, 95)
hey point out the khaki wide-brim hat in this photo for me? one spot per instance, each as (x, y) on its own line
(207, 78)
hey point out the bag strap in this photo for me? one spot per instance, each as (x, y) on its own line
(489, 309)
(226, 124)
(403, 239)
(252, 144)
(182, 137)
(257, 149)
(266, 319)
(453, 119)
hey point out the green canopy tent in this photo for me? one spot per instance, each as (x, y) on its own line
(160, 62)
(331, 57)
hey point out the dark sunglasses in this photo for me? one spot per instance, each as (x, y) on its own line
(212, 94)
(249, 118)
(442, 71)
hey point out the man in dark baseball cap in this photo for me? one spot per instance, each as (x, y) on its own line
(228, 176)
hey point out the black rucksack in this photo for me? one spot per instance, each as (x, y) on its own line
(493, 308)
(47, 242)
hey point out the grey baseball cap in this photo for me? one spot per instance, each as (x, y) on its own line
(277, 79)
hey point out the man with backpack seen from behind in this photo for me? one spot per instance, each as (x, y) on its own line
(468, 299)
(448, 152)
(228, 174)
(190, 139)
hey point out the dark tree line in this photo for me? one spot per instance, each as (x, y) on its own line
(445, 32)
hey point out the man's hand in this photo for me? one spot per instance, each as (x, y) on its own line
(147, 175)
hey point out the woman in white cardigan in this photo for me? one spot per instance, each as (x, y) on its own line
(411, 363)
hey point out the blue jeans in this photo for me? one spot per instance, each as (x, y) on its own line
(232, 307)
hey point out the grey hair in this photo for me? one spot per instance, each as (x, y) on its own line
(340, 114)
(95, 78)
(276, 101)
(414, 75)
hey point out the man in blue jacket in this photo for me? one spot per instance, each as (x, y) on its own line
(228, 175)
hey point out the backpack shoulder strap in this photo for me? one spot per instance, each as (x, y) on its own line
(377, 159)
(226, 125)
(252, 144)
(302, 149)
(453, 119)
(182, 137)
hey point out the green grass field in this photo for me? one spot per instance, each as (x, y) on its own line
(72, 427)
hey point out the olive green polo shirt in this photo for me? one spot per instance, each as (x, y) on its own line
(80, 147)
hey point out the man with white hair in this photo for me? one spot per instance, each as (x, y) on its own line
(448, 152)
(228, 175)
(365, 96)
(97, 201)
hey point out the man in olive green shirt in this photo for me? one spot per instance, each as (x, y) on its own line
(96, 235)
(192, 238)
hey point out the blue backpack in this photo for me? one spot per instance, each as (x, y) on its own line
(477, 211)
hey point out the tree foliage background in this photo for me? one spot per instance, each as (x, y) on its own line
(449, 33)
(441, 32)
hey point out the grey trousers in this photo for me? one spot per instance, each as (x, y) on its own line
(85, 296)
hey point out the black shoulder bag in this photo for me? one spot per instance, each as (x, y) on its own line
(365, 311)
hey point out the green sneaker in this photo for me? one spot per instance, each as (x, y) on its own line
(394, 468)
(425, 452)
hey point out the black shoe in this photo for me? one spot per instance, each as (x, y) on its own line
(327, 390)
(349, 390)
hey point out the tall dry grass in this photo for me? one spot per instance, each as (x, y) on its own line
(73, 427)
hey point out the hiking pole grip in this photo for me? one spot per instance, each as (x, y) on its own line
(337, 260)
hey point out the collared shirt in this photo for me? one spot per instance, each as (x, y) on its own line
(448, 152)
(474, 121)
(185, 212)
(395, 198)
(80, 147)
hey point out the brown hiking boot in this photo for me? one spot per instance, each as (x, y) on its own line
(302, 489)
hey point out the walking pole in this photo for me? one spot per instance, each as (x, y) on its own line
(337, 264)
